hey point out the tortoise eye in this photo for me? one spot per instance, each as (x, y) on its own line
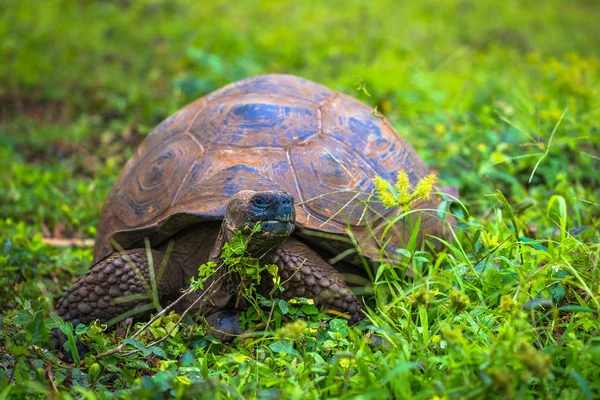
(260, 202)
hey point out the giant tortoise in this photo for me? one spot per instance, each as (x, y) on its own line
(242, 156)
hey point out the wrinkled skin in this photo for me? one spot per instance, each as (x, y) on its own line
(303, 272)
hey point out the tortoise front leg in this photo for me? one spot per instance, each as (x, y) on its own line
(305, 274)
(93, 295)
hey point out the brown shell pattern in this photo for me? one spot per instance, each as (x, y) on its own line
(270, 132)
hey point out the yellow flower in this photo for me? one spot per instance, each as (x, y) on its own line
(536, 362)
(406, 207)
(403, 182)
(403, 187)
(425, 187)
(508, 304)
(382, 188)
(388, 199)
(381, 184)
(346, 363)
(502, 380)
(490, 240)
(239, 358)
(440, 129)
(292, 330)
(422, 296)
(459, 301)
(453, 148)
(401, 194)
(453, 335)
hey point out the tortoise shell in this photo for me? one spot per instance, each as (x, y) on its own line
(270, 132)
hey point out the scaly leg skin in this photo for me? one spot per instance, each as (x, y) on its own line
(305, 274)
(92, 296)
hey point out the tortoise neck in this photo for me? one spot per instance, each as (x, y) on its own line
(225, 235)
(261, 245)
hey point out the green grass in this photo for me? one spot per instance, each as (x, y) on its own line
(501, 99)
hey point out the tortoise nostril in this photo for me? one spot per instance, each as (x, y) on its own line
(287, 199)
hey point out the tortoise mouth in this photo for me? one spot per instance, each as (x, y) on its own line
(277, 227)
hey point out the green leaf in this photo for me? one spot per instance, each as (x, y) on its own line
(94, 371)
(561, 213)
(283, 306)
(37, 331)
(380, 270)
(81, 329)
(576, 308)
(309, 309)
(508, 210)
(284, 347)
(158, 351)
(414, 234)
(67, 329)
(404, 252)
(15, 350)
(137, 364)
(138, 345)
(558, 293)
(270, 394)
(582, 384)
(338, 325)
(533, 242)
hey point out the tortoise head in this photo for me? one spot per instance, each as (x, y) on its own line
(273, 211)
